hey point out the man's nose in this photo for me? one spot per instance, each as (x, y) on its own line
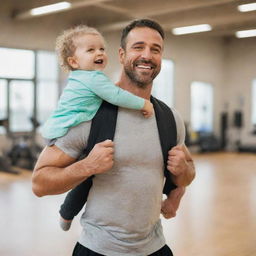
(146, 53)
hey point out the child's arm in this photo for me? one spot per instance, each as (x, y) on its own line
(171, 204)
(102, 86)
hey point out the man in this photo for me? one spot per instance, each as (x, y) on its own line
(124, 203)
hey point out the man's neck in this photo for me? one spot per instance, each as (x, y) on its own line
(126, 84)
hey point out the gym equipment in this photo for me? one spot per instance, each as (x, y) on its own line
(223, 129)
(238, 119)
(24, 150)
(5, 163)
(208, 142)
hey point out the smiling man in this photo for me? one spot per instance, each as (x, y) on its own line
(122, 215)
(141, 58)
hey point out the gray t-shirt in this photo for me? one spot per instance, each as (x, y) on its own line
(122, 214)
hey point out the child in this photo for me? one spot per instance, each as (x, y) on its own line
(82, 52)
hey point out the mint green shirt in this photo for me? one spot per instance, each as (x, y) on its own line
(82, 98)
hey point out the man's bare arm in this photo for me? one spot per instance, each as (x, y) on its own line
(56, 172)
(181, 165)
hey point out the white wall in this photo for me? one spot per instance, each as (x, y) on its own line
(238, 75)
(196, 59)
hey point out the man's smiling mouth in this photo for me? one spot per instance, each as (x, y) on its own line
(144, 67)
(142, 64)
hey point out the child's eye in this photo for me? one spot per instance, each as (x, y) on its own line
(102, 49)
(90, 50)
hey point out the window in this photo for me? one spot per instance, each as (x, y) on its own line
(47, 84)
(21, 105)
(28, 87)
(201, 107)
(17, 63)
(3, 99)
(163, 83)
(254, 103)
(3, 102)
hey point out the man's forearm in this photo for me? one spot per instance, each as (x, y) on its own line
(52, 180)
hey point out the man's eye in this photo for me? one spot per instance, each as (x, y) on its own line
(138, 47)
(155, 50)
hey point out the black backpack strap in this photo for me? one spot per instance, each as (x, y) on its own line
(168, 136)
(103, 126)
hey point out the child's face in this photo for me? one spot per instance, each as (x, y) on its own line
(89, 54)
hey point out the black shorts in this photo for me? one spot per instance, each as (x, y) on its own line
(80, 250)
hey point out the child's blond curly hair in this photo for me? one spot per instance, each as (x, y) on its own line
(65, 46)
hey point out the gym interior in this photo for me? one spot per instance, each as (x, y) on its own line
(208, 76)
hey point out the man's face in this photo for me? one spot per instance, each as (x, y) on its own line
(142, 55)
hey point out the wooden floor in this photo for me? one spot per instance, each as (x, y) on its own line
(217, 216)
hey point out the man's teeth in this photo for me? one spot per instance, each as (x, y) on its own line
(145, 67)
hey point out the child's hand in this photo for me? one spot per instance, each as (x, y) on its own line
(147, 109)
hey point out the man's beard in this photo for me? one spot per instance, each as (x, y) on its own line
(138, 79)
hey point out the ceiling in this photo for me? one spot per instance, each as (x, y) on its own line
(110, 15)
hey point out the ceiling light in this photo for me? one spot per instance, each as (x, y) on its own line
(246, 33)
(247, 7)
(50, 8)
(191, 29)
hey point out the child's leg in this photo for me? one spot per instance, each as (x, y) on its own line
(171, 204)
(73, 203)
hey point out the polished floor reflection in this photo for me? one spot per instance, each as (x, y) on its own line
(216, 216)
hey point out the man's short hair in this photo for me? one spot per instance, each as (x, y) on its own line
(140, 24)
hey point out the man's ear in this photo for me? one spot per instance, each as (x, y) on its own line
(72, 62)
(121, 55)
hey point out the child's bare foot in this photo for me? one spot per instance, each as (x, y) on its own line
(65, 224)
(171, 204)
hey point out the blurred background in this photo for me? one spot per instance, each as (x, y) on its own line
(208, 74)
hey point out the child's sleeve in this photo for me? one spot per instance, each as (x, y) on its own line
(103, 87)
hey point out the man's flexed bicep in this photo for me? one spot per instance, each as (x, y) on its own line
(56, 172)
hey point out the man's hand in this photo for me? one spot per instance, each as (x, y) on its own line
(100, 159)
(176, 163)
(181, 166)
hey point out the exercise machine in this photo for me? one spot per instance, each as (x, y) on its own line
(5, 163)
(24, 150)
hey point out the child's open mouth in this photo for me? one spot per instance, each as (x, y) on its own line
(98, 61)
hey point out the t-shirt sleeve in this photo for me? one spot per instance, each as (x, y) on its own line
(180, 126)
(75, 141)
(103, 87)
